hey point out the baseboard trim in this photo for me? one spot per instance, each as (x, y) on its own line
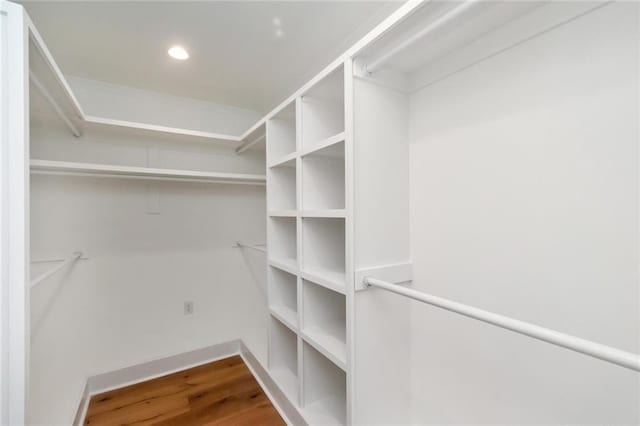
(155, 368)
(285, 407)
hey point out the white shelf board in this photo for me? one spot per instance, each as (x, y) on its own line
(332, 280)
(323, 144)
(329, 346)
(104, 170)
(285, 315)
(283, 213)
(282, 161)
(101, 121)
(323, 412)
(287, 381)
(288, 265)
(329, 213)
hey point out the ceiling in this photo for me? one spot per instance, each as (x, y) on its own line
(237, 56)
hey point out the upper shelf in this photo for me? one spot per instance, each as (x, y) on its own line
(103, 170)
(49, 82)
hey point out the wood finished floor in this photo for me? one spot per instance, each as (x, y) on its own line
(223, 392)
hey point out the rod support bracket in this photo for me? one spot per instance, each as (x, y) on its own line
(401, 272)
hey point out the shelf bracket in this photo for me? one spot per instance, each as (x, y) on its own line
(396, 273)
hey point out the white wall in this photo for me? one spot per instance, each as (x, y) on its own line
(524, 201)
(124, 305)
(126, 103)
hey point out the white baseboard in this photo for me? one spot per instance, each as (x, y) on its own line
(162, 366)
(285, 407)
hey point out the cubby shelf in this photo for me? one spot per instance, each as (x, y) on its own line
(283, 161)
(282, 236)
(283, 296)
(325, 143)
(325, 277)
(281, 193)
(324, 389)
(281, 136)
(332, 348)
(323, 178)
(283, 357)
(323, 247)
(324, 321)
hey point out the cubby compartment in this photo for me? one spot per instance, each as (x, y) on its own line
(323, 246)
(324, 389)
(324, 321)
(282, 243)
(282, 187)
(283, 358)
(283, 296)
(323, 109)
(323, 179)
(281, 135)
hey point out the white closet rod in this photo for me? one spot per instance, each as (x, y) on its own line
(252, 246)
(376, 64)
(587, 347)
(77, 255)
(245, 146)
(45, 93)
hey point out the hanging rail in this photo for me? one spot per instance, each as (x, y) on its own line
(376, 64)
(593, 349)
(75, 256)
(258, 247)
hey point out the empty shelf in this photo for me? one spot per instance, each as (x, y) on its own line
(285, 315)
(130, 172)
(328, 345)
(328, 278)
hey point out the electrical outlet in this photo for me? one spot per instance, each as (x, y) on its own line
(188, 307)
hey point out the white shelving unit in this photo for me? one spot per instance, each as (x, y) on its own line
(283, 357)
(307, 165)
(283, 296)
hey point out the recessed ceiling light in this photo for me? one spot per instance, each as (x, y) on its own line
(178, 52)
(279, 33)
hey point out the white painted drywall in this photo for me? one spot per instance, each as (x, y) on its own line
(524, 201)
(124, 305)
(130, 104)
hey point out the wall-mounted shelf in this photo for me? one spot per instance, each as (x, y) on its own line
(97, 122)
(283, 358)
(324, 321)
(129, 172)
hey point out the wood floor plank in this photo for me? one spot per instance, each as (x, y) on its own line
(221, 392)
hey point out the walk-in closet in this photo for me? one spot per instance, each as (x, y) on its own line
(320, 213)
